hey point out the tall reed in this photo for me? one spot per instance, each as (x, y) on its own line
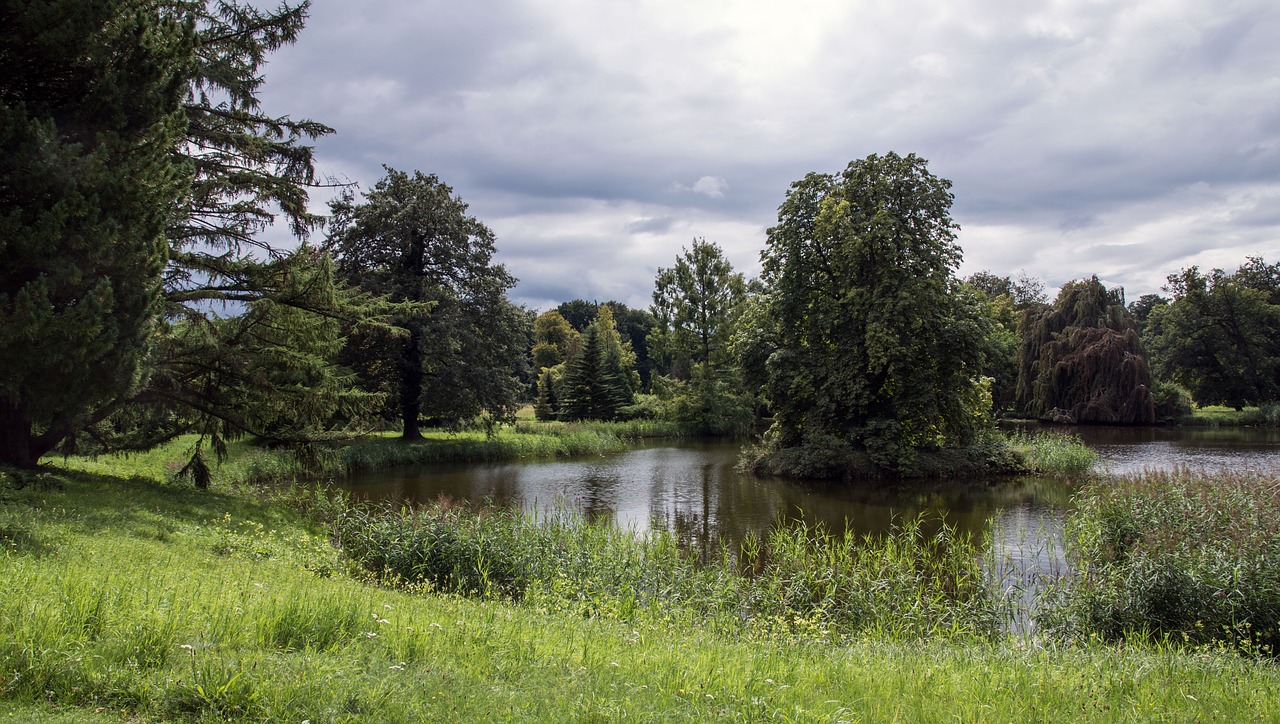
(1182, 555)
(797, 582)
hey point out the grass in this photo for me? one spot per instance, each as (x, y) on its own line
(1219, 416)
(1052, 453)
(255, 465)
(122, 596)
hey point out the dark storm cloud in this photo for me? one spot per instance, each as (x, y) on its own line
(598, 139)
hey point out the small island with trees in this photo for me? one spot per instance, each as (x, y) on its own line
(174, 389)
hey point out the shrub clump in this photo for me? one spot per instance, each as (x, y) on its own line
(1181, 556)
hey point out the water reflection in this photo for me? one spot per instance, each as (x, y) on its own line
(693, 489)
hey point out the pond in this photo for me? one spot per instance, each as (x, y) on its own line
(692, 488)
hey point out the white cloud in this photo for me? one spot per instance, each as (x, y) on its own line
(713, 187)
(1119, 139)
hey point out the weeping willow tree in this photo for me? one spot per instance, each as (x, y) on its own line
(1081, 361)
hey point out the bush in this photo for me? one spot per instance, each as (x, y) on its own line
(1187, 557)
(1172, 401)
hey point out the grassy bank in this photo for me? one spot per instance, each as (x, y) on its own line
(121, 596)
(1218, 416)
(1044, 453)
(255, 465)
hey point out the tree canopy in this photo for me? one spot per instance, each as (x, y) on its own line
(694, 304)
(1081, 360)
(463, 343)
(877, 353)
(1220, 335)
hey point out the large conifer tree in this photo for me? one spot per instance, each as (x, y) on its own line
(90, 114)
(463, 342)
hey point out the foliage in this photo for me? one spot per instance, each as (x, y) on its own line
(196, 371)
(1182, 556)
(1000, 345)
(270, 371)
(90, 112)
(548, 405)
(1023, 292)
(578, 312)
(876, 352)
(594, 385)
(1172, 401)
(463, 343)
(695, 304)
(711, 403)
(1141, 308)
(1081, 360)
(552, 340)
(634, 326)
(1220, 335)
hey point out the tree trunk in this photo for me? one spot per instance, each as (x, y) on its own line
(411, 377)
(16, 446)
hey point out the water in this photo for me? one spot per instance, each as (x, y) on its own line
(693, 489)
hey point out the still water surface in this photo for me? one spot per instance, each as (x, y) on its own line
(693, 489)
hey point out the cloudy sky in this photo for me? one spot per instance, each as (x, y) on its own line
(599, 137)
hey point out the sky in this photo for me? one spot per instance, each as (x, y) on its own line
(599, 138)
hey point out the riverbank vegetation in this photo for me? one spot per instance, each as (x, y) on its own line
(123, 596)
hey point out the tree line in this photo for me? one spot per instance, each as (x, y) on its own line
(139, 300)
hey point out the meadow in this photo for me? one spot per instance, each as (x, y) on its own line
(127, 593)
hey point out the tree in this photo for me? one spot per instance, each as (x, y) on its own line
(459, 355)
(635, 325)
(1081, 360)
(599, 379)
(1141, 308)
(250, 168)
(547, 406)
(695, 303)
(876, 353)
(552, 338)
(215, 375)
(995, 296)
(90, 113)
(1220, 335)
(578, 312)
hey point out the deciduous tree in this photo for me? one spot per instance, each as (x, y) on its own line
(1081, 360)
(877, 354)
(1220, 335)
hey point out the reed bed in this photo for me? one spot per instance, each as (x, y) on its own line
(797, 582)
(1183, 556)
(1053, 453)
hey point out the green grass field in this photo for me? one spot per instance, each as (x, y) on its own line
(126, 596)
